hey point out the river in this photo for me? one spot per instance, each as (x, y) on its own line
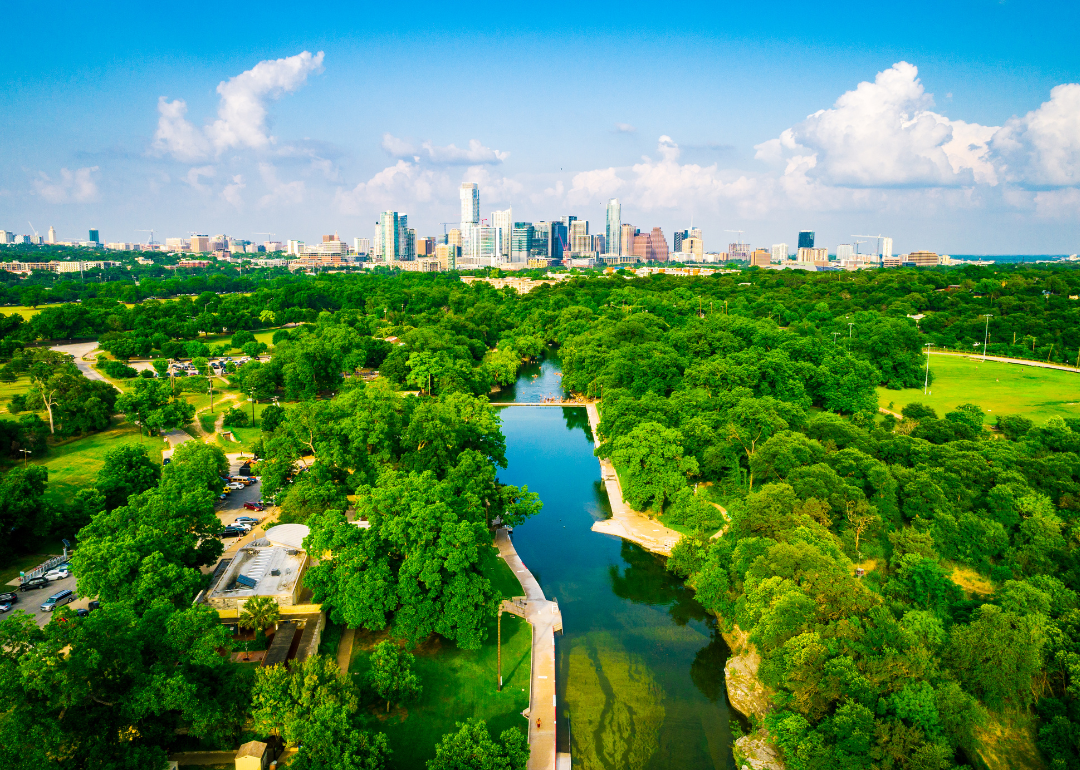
(640, 664)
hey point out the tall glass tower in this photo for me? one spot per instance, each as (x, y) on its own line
(613, 234)
(470, 205)
(806, 239)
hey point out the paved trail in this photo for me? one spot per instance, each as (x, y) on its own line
(79, 350)
(1004, 360)
(545, 618)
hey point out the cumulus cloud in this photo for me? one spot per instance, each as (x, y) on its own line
(404, 182)
(884, 134)
(231, 193)
(1042, 148)
(449, 155)
(72, 187)
(193, 174)
(242, 112)
(624, 128)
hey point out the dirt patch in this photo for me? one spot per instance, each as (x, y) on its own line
(972, 583)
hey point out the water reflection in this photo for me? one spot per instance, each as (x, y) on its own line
(645, 579)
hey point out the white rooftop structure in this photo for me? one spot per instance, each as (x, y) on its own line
(288, 535)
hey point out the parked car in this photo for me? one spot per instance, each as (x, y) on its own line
(58, 599)
(236, 485)
(58, 574)
(246, 520)
(230, 532)
(243, 526)
(255, 506)
(166, 461)
(95, 604)
(31, 583)
(222, 496)
(5, 607)
(9, 597)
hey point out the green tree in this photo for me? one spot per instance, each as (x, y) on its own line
(150, 403)
(24, 512)
(751, 422)
(654, 469)
(473, 748)
(128, 470)
(236, 417)
(259, 613)
(998, 655)
(391, 674)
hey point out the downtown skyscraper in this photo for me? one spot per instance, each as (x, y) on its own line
(613, 233)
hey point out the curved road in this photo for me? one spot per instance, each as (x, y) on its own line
(80, 349)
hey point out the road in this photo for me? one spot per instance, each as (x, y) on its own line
(80, 349)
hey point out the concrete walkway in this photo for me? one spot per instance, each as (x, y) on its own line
(625, 522)
(344, 650)
(545, 618)
(1003, 360)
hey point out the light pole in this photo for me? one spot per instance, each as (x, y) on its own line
(498, 645)
(25, 453)
(986, 334)
(926, 382)
(834, 336)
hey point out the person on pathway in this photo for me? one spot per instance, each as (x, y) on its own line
(538, 723)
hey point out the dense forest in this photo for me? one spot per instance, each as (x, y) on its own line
(755, 391)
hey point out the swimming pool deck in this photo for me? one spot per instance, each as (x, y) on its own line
(545, 619)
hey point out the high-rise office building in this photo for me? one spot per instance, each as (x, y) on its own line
(481, 247)
(541, 240)
(659, 245)
(52, 234)
(779, 252)
(392, 239)
(425, 247)
(505, 221)
(845, 252)
(362, 246)
(521, 241)
(578, 227)
(886, 247)
(626, 240)
(454, 238)
(200, 244)
(677, 239)
(643, 249)
(811, 256)
(695, 232)
(613, 233)
(94, 237)
(806, 239)
(760, 258)
(694, 247)
(739, 252)
(470, 205)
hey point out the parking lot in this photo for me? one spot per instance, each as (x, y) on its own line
(30, 601)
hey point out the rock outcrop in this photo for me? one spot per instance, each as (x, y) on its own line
(752, 699)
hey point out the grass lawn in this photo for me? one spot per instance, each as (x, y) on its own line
(9, 389)
(266, 336)
(457, 684)
(27, 561)
(999, 388)
(207, 421)
(74, 465)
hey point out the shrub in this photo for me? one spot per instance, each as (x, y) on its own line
(235, 418)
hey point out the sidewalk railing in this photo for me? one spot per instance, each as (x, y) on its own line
(43, 568)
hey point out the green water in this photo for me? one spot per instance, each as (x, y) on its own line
(640, 665)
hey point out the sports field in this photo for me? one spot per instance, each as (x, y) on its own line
(999, 388)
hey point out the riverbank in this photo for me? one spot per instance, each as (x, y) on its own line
(625, 522)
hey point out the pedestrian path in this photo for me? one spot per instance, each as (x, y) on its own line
(545, 618)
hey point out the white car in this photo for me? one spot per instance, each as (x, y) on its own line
(236, 485)
(58, 574)
(241, 525)
(5, 608)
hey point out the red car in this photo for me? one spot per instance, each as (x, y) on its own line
(254, 507)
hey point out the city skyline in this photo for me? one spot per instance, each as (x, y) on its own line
(965, 146)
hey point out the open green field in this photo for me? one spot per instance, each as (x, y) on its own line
(457, 684)
(999, 388)
(74, 465)
(9, 389)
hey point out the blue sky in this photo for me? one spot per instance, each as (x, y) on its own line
(963, 138)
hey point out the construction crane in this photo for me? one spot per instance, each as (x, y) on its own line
(32, 228)
(151, 231)
(740, 232)
(857, 243)
(877, 239)
(266, 234)
(444, 224)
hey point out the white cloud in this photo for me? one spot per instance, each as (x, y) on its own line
(72, 187)
(176, 136)
(1042, 148)
(402, 183)
(280, 193)
(445, 155)
(231, 193)
(193, 174)
(242, 112)
(624, 128)
(883, 134)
